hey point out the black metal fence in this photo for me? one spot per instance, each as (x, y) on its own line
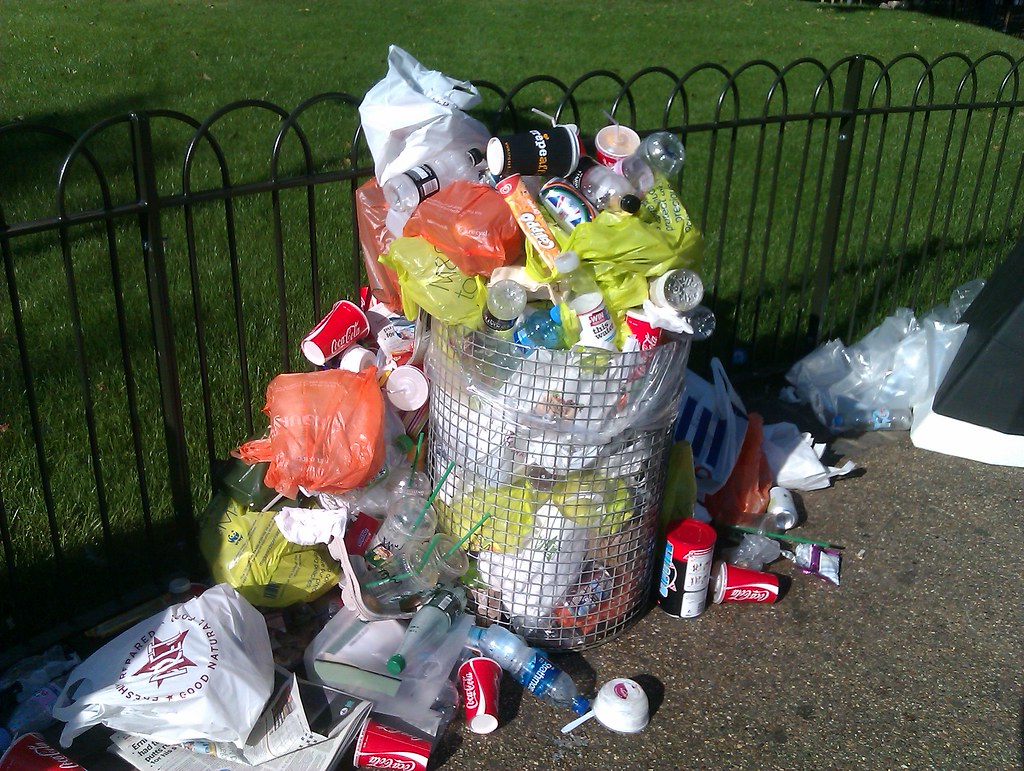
(160, 270)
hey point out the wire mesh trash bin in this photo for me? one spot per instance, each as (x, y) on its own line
(566, 451)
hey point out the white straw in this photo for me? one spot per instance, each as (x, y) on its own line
(577, 722)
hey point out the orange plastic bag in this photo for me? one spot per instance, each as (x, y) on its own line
(374, 240)
(471, 224)
(326, 432)
(744, 496)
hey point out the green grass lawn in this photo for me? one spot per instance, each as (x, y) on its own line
(71, 66)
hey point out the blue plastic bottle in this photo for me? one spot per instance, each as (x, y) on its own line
(530, 669)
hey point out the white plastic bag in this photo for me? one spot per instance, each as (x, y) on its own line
(795, 460)
(713, 420)
(200, 669)
(415, 114)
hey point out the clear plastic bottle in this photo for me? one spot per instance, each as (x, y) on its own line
(530, 669)
(36, 712)
(429, 624)
(540, 329)
(680, 290)
(404, 191)
(506, 301)
(604, 188)
(580, 291)
(660, 155)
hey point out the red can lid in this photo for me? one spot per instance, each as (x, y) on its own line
(691, 535)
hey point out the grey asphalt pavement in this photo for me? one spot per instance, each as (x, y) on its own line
(913, 662)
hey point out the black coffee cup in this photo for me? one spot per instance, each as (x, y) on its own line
(547, 152)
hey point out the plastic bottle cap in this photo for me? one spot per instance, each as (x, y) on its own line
(476, 155)
(629, 203)
(396, 664)
(567, 262)
(179, 586)
(474, 636)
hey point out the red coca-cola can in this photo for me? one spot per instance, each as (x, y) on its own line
(731, 583)
(381, 746)
(30, 752)
(337, 331)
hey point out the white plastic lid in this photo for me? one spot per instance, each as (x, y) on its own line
(179, 586)
(495, 156)
(407, 388)
(567, 262)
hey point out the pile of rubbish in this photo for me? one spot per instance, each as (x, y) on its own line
(474, 471)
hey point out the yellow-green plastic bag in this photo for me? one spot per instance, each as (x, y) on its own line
(511, 506)
(428, 279)
(245, 548)
(593, 500)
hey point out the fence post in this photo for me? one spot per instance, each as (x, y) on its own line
(151, 233)
(836, 194)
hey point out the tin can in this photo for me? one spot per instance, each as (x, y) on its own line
(686, 569)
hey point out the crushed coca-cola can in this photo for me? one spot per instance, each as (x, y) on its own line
(731, 583)
(381, 746)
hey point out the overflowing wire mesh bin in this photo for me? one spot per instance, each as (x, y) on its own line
(565, 450)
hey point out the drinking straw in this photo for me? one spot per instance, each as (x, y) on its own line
(466, 537)
(387, 580)
(618, 128)
(433, 494)
(784, 537)
(430, 550)
(549, 117)
(400, 576)
(416, 457)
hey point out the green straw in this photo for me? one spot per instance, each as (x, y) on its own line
(784, 537)
(433, 495)
(467, 536)
(416, 457)
(388, 580)
(400, 576)
(430, 550)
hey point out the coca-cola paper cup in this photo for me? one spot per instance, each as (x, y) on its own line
(31, 753)
(338, 330)
(730, 583)
(615, 143)
(380, 746)
(647, 336)
(480, 680)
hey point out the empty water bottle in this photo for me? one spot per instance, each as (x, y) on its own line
(604, 188)
(540, 329)
(660, 155)
(404, 191)
(530, 669)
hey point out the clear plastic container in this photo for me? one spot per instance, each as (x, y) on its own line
(410, 518)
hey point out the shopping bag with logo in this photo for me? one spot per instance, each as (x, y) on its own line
(200, 669)
(714, 421)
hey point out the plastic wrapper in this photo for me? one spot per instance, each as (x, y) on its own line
(245, 548)
(817, 561)
(431, 281)
(472, 224)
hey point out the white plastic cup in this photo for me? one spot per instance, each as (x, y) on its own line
(622, 706)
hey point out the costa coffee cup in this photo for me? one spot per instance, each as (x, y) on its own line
(730, 583)
(647, 336)
(615, 143)
(686, 568)
(338, 330)
(480, 680)
(380, 746)
(30, 752)
(547, 152)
